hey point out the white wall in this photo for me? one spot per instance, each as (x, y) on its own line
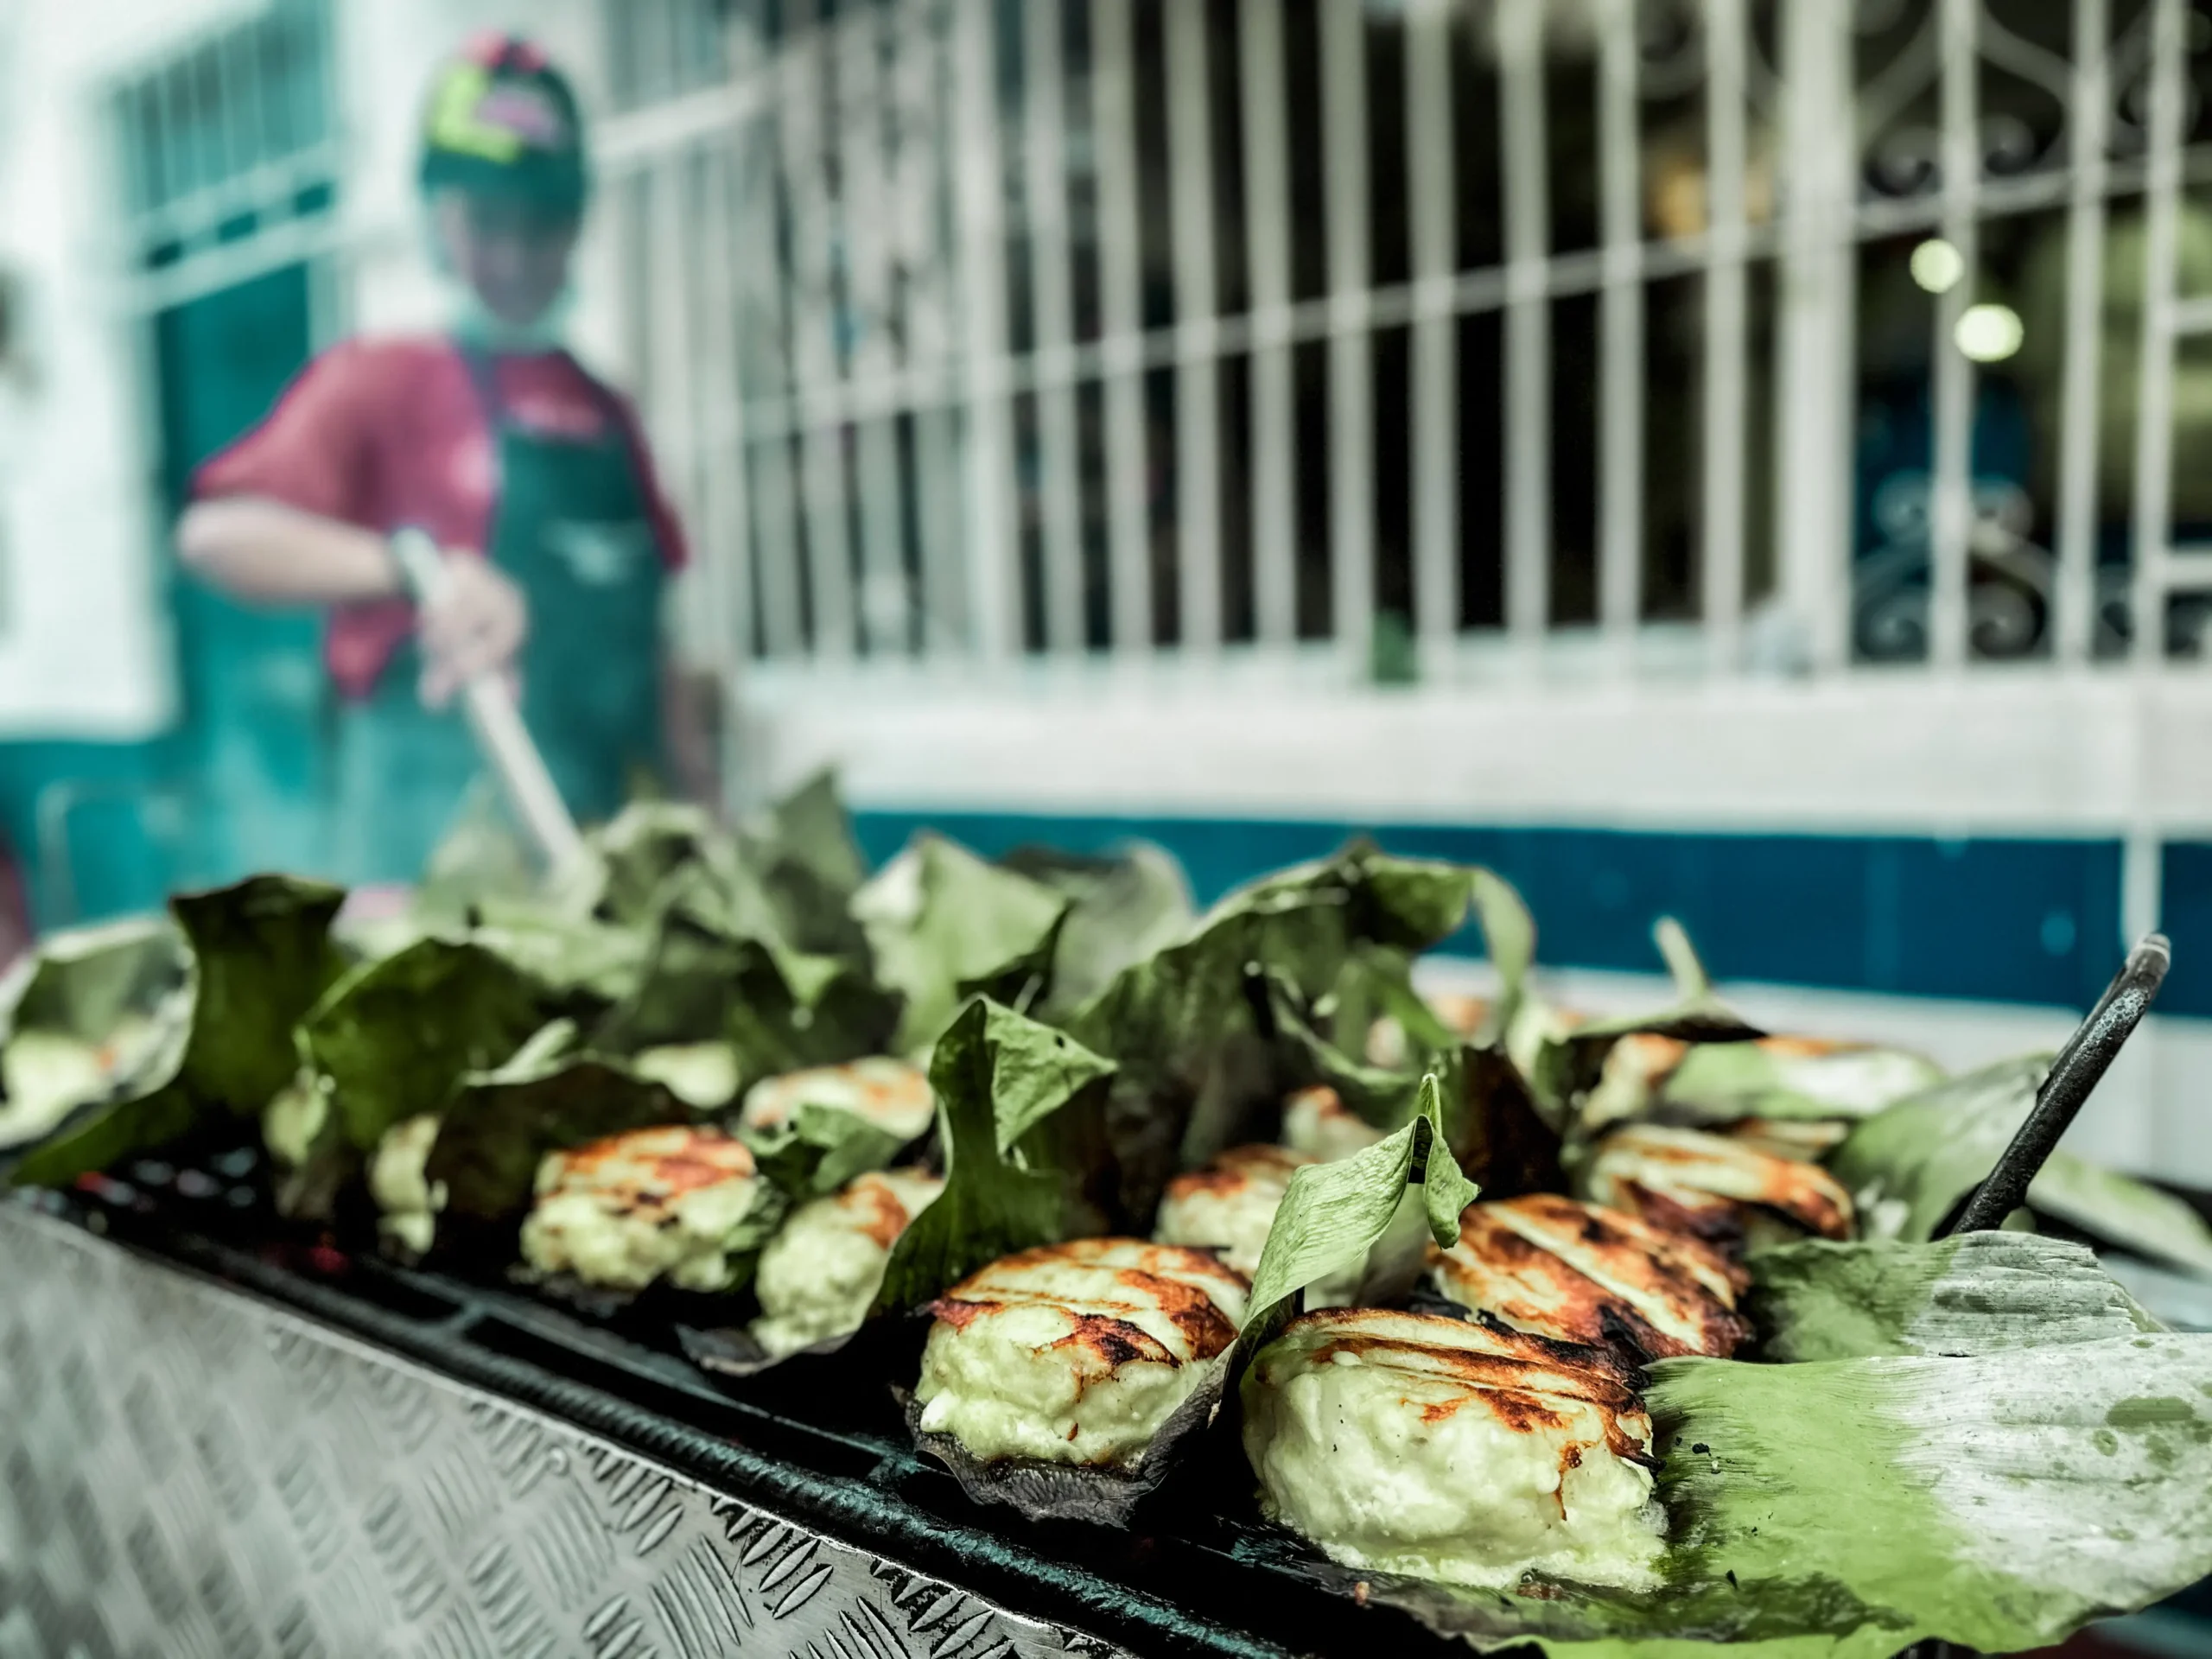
(84, 649)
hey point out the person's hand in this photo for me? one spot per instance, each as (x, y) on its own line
(474, 624)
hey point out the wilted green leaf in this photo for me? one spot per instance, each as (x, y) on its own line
(1195, 1065)
(502, 1123)
(820, 1149)
(94, 1013)
(999, 1077)
(265, 956)
(1123, 908)
(396, 1037)
(941, 925)
(1722, 1083)
(1334, 1214)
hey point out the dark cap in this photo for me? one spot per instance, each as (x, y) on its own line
(502, 121)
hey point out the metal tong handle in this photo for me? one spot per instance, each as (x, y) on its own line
(500, 735)
(2080, 1065)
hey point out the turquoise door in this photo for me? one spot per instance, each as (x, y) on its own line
(250, 750)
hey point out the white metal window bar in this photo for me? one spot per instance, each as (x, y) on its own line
(869, 407)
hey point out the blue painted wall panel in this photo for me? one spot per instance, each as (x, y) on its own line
(2015, 920)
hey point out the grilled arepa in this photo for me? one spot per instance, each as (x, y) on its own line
(1714, 1186)
(1419, 1444)
(821, 1271)
(1228, 1205)
(669, 1203)
(892, 1094)
(1076, 1352)
(1574, 1272)
(1317, 1121)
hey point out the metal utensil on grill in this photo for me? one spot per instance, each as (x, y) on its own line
(2092, 1048)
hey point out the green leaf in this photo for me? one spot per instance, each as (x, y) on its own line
(396, 1037)
(1997, 1501)
(483, 857)
(1492, 1124)
(820, 1149)
(1510, 938)
(94, 1015)
(1974, 1293)
(574, 957)
(999, 1077)
(943, 925)
(1912, 1164)
(807, 865)
(2119, 1210)
(1334, 1214)
(1195, 1067)
(265, 956)
(190, 1028)
(1122, 909)
(638, 850)
(105, 1136)
(502, 1123)
(780, 1009)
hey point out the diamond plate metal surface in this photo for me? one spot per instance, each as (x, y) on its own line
(188, 1472)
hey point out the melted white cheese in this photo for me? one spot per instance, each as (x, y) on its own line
(821, 1271)
(662, 1203)
(1075, 1353)
(1388, 1471)
(892, 1094)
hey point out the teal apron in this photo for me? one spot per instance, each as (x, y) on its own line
(572, 530)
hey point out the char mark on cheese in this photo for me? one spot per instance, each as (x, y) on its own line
(1553, 1267)
(1713, 1185)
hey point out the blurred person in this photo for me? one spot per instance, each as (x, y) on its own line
(493, 439)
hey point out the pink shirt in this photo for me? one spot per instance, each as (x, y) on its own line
(390, 433)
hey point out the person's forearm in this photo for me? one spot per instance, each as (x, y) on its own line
(262, 550)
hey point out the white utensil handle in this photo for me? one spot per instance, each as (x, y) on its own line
(497, 723)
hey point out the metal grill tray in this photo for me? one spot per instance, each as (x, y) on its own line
(816, 1443)
(807, 1441)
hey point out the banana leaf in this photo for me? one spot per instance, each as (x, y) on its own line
(1909, 1166)
(943, 926)
(1972, 1293)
